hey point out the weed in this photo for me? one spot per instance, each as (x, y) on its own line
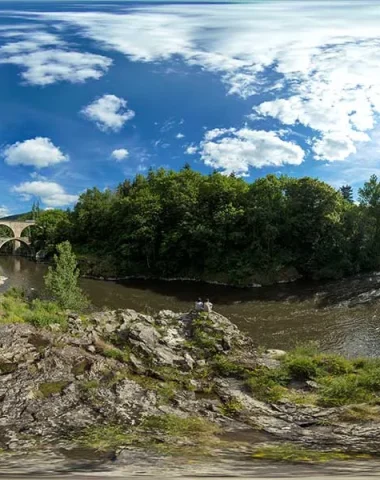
(51, 388)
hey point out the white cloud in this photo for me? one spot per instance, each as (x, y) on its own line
(44, 59)
(180, 135)
(120, 154)
(237, 150)
(109, 112)
(191, 150)
(51, 194)
(4, 211)
(326, 66)
(38, 152)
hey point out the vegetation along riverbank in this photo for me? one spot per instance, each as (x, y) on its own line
(219, 228)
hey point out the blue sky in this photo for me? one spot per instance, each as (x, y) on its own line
(94, 92)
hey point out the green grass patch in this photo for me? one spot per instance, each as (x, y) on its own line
(231, 408)
(105, 437)
(15, 308)
(287, 452)
(175, 426)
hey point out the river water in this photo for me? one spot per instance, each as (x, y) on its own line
(275, 317)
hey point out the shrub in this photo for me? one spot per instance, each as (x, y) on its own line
(226, 367)
(342, 390)
(268, 385)
(62, 279)
(301, 367)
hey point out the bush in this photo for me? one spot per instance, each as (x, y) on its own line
(301, 367)
(268, 385)
(342, 390)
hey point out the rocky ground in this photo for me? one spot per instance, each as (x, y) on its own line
(117, 380)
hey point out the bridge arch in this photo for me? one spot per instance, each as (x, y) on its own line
(6, 224)
(24, 241)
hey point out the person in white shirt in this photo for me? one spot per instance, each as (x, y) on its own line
(199, 307)
(207, 306)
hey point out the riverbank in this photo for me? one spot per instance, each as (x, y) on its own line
(175, 384)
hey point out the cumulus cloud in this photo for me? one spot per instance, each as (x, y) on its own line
(233, 150)
(37, 152)
(179, 135)
(51, 194)
(324, 69)
(120, 154)
(109, 112)
(45, 59)
(191, 150)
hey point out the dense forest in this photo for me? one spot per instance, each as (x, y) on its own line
(216, 227)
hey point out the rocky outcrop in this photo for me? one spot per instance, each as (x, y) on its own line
(119, 367)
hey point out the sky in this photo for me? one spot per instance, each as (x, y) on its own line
(92, 93)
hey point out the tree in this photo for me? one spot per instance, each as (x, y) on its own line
(347, 193)
(62, 279)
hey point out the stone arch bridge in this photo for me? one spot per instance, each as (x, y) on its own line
(17, 228)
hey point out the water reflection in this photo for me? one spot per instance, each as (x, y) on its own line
(276, 317)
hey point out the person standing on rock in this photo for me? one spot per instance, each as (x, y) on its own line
(207, 307)
(199, 307)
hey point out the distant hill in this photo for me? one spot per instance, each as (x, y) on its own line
(19, 216)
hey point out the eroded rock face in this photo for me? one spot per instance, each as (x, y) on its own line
(118, 367)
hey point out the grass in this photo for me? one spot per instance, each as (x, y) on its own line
(105, 437)
(360, 413)
(340, 381)
(287, 452)
(175, 426)
(16, 308)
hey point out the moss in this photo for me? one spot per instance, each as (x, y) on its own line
(51, 388)
(81, 367)
(295, 454)
(7, 367)
(90, 385)
(176, 426)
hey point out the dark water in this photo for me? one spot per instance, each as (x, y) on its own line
(275, 317)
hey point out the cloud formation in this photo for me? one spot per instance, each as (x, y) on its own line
(235, 151)
(37, 152)
(45, 59)
(51, 194)
(120, 154)
(109, 113)
(323, 69)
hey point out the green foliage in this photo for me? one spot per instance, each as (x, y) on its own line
(288, 452)
(117, 354)
(340, 381)
(222, 365)
(231, 408)
(219, 227)
(62, 280)
(16, 308)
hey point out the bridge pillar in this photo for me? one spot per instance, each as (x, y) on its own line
(16, 247)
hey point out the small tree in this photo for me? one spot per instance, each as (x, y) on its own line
(62, 279)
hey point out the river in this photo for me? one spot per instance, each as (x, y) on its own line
(276, 317)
